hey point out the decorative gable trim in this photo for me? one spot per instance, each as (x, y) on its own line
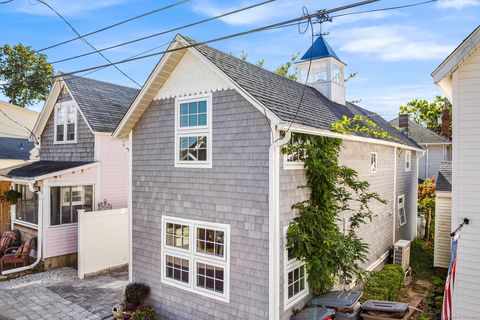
(161, 74)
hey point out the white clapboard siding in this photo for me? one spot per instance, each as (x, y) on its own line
(443, 222)
(466, 185)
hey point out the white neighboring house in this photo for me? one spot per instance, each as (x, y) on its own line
(458, 76)
(443, 216)
(438, 148)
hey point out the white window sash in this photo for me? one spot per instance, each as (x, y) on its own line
(373, 169)
(401, 206)
(408, 160)
(63, 108)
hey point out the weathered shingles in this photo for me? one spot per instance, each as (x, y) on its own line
(103, 104)
(444, 178)
(282, 95)
(421, 134)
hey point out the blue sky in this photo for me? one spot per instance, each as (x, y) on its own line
(393, 52)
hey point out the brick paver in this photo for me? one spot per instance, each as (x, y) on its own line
(90, 299)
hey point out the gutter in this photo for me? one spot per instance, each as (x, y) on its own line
(39, 233)
(273, 224)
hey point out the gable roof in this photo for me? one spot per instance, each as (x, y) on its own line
(41, 168)
(444, 177)
(15, 148)
(420, 134)
(102, 104)
(320, 49)
(278, 94)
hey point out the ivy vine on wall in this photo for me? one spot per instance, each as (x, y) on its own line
(324, 232)
(359, 124)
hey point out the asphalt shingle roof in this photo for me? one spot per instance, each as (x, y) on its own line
(103, 104)
(420, 134)
(40, 168)
(444, 178)
(282, 95)
(15, 148)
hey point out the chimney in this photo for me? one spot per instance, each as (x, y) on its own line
(403, 123)
(446, 123)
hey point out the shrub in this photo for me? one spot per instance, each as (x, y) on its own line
(144, 313)
(384, 284)
(135, 295)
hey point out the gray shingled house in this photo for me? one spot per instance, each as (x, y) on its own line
(211, 192)
(80, 166)
(438, 148)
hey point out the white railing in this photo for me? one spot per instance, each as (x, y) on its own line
(102, 240)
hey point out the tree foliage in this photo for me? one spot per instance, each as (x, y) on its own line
(427, 114)
(324, 232)
(27, 74)
(426, 205)
(359, 124)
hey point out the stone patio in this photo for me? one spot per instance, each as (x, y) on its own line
(92, 298)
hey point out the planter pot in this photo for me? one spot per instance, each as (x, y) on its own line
(119, 312)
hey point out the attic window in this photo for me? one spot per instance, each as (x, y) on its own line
(65, 122)
(408, 160)
(193, 143)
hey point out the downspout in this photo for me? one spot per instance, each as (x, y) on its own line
(39, 233)
(273, 224)
(394, 225)
(426, 163)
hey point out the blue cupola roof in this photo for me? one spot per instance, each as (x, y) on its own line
(320, 49)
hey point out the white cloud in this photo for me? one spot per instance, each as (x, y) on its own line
(65, 7)
(457, 4)
(392, 43)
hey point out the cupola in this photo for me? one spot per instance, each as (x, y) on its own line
(327, 71)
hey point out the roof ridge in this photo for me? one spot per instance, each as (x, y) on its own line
(96, 80)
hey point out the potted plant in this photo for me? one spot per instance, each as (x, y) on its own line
(133, 298)
(11, 196)
(143, 313)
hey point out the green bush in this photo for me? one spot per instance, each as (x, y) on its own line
(144, 313)
(384, 284)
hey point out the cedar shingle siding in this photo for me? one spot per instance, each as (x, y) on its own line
(234, 191)
(83, 150)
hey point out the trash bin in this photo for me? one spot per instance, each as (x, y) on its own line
(374, 309)
(314, 313)
(345, 303)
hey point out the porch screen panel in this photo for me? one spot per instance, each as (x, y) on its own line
(66, 201)
(26, 208)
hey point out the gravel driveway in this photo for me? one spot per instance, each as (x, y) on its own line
(59, 294)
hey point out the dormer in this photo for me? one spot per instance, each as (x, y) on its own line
(327, 71)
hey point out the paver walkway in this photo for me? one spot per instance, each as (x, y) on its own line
(90, 299)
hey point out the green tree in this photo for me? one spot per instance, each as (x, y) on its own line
(427, 113)
(26, 74)
(426, 205)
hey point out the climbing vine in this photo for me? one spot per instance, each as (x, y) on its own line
(359, 124)
(324, 232)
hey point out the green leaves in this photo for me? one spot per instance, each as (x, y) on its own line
(27, 74)
(324, 233)
(359, 124)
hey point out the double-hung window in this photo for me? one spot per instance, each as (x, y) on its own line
(195, 256)
(408, 160)
(193, 131)
(65, 122)
(294, 278)
(373, 162)
(296, 155)
(66, 201)
(402, 216)
(26, 208)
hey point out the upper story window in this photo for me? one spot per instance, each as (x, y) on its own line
(26, 208)
(402, 216)
(193, 131)
(337, 74)
(194, 256)
(65, 122)
(408, 160)
(373, 162)
(294, 278)
(296, 157)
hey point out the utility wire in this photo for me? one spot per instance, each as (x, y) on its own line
(192, 45)
(87, 42)
(114, 25)
(21, 125)
(385, 9)
(165, 31)
(7, 1)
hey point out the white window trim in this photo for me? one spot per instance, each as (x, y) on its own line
(408, 160)
(376, 162)
(195, 257)
(293, 165)
(287, 267)
(13, 213)
(193, 131)
(402, 196)
(63, 185)
(73, 203)
(65, 104)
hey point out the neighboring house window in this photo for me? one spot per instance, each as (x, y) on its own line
(402, 216)
(65, 122)
(193, 128)
(296, 158)
(373, 162)
(195, 256)
(294, 278)
(66, 201)
(408, 160)
(26, 208)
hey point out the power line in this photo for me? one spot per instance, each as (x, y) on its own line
(114, 25)
(385, 9)
(165, 31)
(15, 121)
(87, 42)
(7, 1)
